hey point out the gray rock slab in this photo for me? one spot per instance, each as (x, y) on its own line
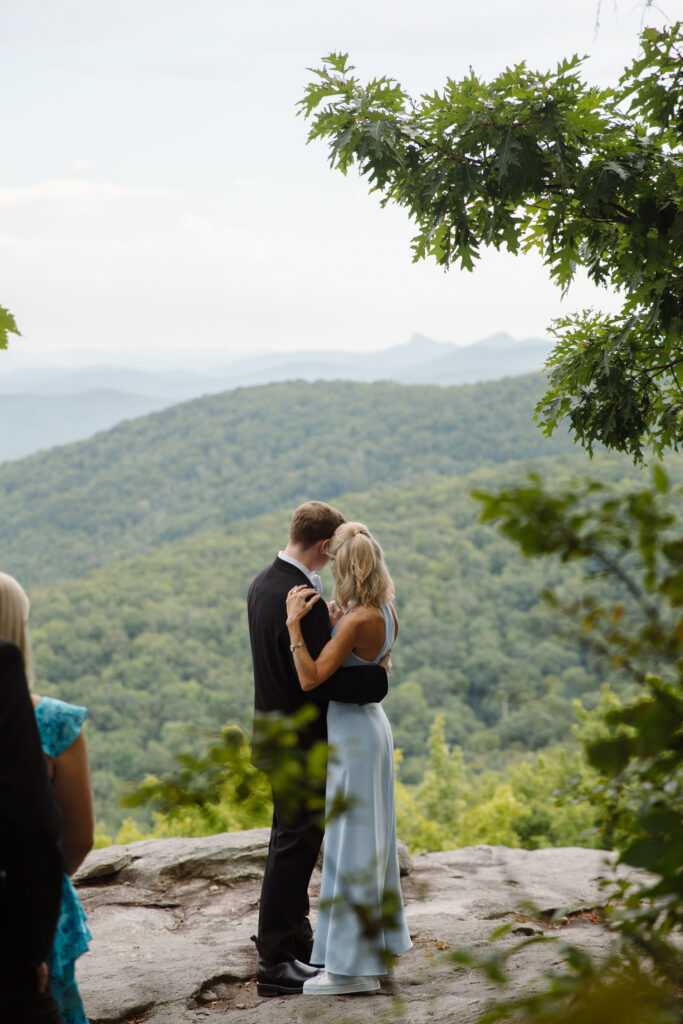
(426, 988)
(405, 861)
(227, 857)
(487, 882)
(171, 921)
(142, 956)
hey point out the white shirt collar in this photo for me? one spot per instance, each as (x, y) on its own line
(313, 577)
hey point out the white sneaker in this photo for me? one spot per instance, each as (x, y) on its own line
(328, 984)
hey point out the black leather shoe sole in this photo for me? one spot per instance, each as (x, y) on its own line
(266, 989)
(284, 979)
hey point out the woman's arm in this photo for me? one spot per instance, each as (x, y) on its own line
(312, 673)
(73, 794)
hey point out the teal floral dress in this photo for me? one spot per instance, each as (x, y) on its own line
(59, 724)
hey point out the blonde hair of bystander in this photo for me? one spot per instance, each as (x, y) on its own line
(14, 609)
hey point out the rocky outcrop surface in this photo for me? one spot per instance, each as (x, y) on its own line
(171, 921)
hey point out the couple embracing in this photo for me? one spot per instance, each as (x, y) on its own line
(335, 656)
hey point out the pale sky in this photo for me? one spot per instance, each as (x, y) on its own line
(156, 190)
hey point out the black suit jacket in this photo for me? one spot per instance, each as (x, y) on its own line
(31, 865)
(276, 684)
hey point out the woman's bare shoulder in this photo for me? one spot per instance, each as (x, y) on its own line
(365, 613)
(359, 619)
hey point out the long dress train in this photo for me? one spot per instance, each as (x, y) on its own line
(361, 917)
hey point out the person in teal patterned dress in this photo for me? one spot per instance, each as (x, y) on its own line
(60, 726)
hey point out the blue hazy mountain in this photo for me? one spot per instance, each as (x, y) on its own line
(29, 423)
(42, 406)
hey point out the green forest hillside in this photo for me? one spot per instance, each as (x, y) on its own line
(206, 463)
(157, 646)
(137, 548)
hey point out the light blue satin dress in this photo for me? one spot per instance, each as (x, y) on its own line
(360, 862)
(59, 724)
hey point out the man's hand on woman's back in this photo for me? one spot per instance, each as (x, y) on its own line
(386, 663)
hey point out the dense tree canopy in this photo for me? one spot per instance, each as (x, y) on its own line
(162, 522)
(157, 647)
(541, 160)
(137, 548)
(205, 463)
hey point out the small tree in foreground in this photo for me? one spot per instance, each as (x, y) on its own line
(587, 177)
(634, 745)
(7, 326)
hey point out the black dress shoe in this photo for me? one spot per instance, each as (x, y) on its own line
(283, 979)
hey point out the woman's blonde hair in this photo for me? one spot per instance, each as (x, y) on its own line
(14, 608)
(360, 574)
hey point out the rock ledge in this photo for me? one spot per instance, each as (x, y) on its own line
(172, 919)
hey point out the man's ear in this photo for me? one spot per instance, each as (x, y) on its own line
(322, 546)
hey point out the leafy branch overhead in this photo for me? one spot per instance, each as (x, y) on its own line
(543, 161)
(7, 326)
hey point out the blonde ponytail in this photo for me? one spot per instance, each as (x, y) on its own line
(360, 574)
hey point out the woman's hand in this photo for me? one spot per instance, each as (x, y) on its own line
(335, 612)
(42, 976)
(300, 600)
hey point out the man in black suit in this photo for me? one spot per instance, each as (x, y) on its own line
(31, 865)
(285, 938)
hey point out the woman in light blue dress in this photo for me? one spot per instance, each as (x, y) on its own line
(361, 922)
(60, 727)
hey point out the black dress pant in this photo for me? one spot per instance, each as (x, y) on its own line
(20, 1000)
(284, 931)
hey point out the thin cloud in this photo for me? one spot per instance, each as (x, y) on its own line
(202, 69)
(78, 192)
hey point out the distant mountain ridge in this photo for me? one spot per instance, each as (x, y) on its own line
(488, 359)
(29, 423)
(41, 407)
